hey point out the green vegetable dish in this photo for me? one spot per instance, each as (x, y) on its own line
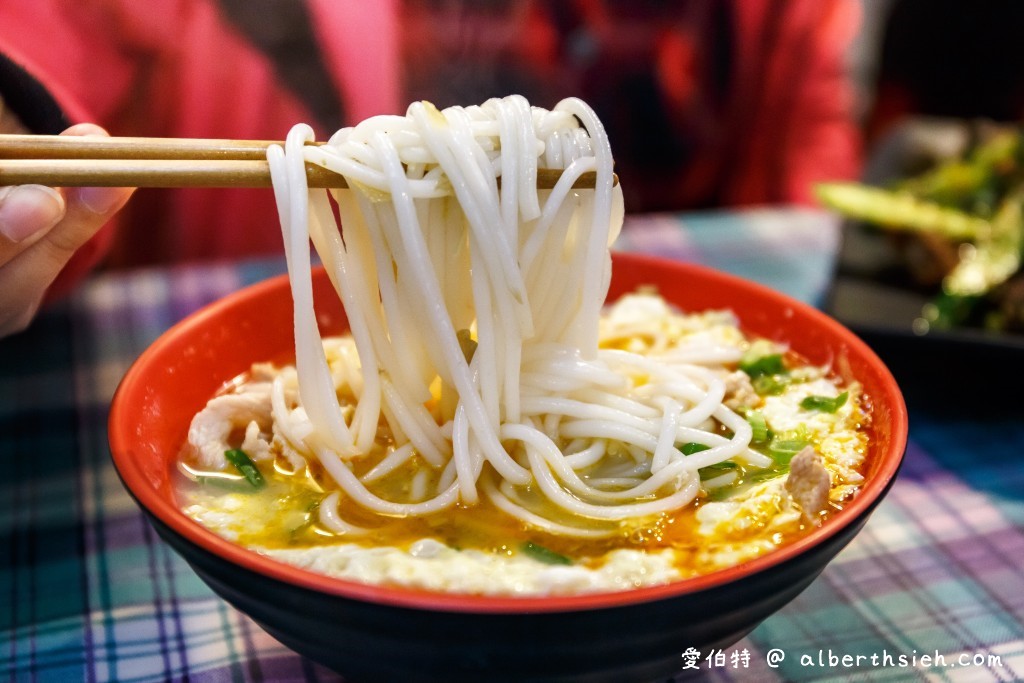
(965, 216)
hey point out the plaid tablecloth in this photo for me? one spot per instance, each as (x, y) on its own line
(932, 589)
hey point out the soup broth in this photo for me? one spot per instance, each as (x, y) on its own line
(745, 506)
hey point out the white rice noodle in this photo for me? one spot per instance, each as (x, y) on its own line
(446, 233)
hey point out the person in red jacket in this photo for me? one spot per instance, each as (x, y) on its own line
(707, 102)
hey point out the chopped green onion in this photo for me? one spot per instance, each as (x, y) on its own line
(693, 447)
(783, 450)
(244, 464)
(225, 483)
(542, 554)
(757, 366)
(758, 425)
(770, 385)
(721, 481)
(718, 469)
(309, 519)
(762, 476)
(825, 404)
(721, 493)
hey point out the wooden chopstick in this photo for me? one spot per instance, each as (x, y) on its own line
(97, 147)
(92, 161)
(151, 173)
(84, 161)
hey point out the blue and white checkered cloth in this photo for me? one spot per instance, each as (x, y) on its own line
(932, 589)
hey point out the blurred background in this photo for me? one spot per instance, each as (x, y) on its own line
(667, 77)
(709, 104)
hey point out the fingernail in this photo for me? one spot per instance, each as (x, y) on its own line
(100, 200)
(29, 209)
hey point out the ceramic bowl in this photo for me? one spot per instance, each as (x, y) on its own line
(378, 633)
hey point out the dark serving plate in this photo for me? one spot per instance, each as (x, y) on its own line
(873, 295)
(931, 368)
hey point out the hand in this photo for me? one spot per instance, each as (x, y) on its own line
(40, 229)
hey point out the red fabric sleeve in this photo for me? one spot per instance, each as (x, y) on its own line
(159, 68)
(796, 101)
(17, 43)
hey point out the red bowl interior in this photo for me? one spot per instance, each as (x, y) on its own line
(173, 379)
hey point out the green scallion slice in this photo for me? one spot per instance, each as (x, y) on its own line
(770, 385)
(758, 425)
(825, 404)
(721, 493)
(308, 520)
(758, 366)
(693, 447)
(233, 484)
(712, 471)
(542, 554)
(763, 476)
(783, 450)
(244, 464)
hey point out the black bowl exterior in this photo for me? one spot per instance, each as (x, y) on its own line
(642, 641)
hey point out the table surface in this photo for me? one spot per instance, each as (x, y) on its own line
(931, 589)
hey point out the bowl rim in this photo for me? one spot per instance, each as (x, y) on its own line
(121, 430)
